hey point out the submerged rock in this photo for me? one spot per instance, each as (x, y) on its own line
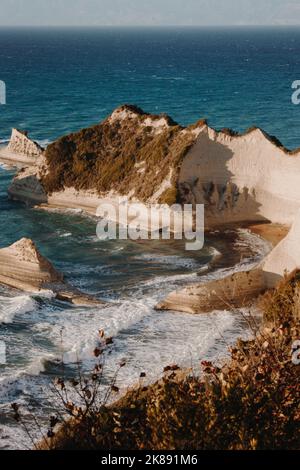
(23, 267)
(75, 297)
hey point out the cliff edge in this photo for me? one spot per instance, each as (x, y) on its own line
(246, 177)
(239, 178)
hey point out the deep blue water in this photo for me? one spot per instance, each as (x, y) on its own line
(62, 80)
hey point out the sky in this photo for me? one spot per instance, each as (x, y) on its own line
(148, 12)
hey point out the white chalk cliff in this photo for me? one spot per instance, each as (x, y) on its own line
(245, 177)
(21, 149)
(285, 257)
(248, 177)
(240, 178)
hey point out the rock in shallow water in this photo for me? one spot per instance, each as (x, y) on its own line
(232, 291)
(23, 267)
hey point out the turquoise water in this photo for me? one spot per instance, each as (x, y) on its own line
(62, 80)
(46, 338)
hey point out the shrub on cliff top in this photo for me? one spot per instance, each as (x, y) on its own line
(107, 157)
(280, 305)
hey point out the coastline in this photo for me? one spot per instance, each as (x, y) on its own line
(197, 165)
(246, 285)
(88, 201)
(271, 232)
(175, 383)
(195, 350)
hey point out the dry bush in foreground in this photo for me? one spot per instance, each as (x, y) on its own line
(253, 402)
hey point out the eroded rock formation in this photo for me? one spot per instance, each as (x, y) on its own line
(23, 267)
(238, 177)
(20, 143)
(285, 257)
(129, 153)
(27, 187)
(223, 294)
(21, 149)
(241, 288)
(248, 177)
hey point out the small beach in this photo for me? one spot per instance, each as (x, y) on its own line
(133, 276)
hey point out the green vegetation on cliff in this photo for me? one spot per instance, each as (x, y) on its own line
(120, 154)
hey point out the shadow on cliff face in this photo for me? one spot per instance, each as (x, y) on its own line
(205, 179)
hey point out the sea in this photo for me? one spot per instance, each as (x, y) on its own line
(61, 80)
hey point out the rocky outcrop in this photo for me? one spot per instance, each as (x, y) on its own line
(27, 187)
(20, 143)
(241, 288)
(23, 267)
(285, 257)
(247, 177)
(21, 149)
(239, 178)
(131, 153)
(235, 290)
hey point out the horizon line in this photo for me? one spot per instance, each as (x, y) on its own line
(246, 25)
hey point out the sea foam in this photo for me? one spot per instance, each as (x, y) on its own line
(12, 306)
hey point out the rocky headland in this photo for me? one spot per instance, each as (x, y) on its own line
(240, 178)
(250, 402)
